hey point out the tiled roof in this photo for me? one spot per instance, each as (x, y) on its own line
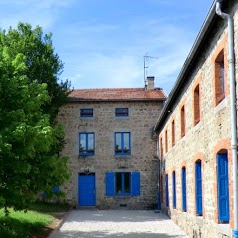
(117, 94)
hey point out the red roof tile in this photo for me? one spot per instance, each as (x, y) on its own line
(117, 94)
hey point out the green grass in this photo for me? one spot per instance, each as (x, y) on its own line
(22, 225)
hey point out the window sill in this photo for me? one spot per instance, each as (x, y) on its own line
(83, 156)
(220, 98)
(197, 126)
(221, 105)
(123, 154)
(224, 229)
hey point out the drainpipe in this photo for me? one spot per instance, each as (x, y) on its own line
(159, 172)
(233, 109)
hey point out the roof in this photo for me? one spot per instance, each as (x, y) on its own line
(117, 94)
(187, 66)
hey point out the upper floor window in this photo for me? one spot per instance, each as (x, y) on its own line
(86, 112)
(196, 101)
(219, 77)
(166, 141)
(86, 144)
(173, 133)
(161, 147)
(122, 143)
(121, 112)
(182, 121)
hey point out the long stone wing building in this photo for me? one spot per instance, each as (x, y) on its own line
(195, 133)
(109, 137)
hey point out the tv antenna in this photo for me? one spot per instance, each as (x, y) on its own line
(146, 57)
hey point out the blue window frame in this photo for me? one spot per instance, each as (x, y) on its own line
(86, 144)
(86, 112)
(121, 112)
(184, 190)
(198, 185)
(174, 189)
(167, 189)
(122, 143)
(122, 183)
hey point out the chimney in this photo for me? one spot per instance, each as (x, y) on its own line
(150, 83)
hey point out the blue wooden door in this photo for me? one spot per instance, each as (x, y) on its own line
(174, 190)
(223, 188)
(198, 183)
(167, 189)
(86, 190)
(184, 195)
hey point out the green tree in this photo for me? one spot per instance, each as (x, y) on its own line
(30, 96)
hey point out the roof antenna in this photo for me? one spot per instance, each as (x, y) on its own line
(146, 57)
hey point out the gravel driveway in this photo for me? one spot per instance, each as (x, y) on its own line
(117, 223)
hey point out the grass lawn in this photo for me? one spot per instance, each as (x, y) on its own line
(32, 223)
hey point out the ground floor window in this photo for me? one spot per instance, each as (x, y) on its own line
(223, 188)
(198, 185)
(174, 190)
(122, 183)
(167, 189)
(184, 192)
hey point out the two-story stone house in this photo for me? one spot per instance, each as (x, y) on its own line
(195, 134)
(109, 137)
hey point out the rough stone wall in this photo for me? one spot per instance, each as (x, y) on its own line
(201, 141)
(141, 119)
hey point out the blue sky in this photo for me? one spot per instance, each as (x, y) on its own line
(102, 42)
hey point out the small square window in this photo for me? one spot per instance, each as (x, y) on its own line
(87, 112)
(121, 112)
(122, 143)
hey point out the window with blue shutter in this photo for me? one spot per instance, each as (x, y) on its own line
(223, 188)
(167, 189)
(110, 184)
(198, 185)
(184, 190)
(122, 183)
(135, 183)
(174, 189)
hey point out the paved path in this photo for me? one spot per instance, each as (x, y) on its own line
(117, 223)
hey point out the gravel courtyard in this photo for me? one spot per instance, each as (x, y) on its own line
(117, 223)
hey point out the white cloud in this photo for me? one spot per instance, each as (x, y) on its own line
(44, 13)
(112, 62)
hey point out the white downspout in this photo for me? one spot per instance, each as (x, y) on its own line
(233, 110)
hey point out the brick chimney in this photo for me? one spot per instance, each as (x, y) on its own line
(150, 83)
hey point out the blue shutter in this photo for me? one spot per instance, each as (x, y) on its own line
(184, 195)
(198, 181)
(110, 184)
(167, 189)
(223, 188)
(135, 183)
(55, 189)
(174, 190)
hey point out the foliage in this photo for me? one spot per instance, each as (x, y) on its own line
(30, 138)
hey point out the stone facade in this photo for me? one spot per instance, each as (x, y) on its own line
(104, 123)
(203, 139)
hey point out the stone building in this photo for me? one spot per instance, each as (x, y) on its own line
(194, 133)
(109, 138)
